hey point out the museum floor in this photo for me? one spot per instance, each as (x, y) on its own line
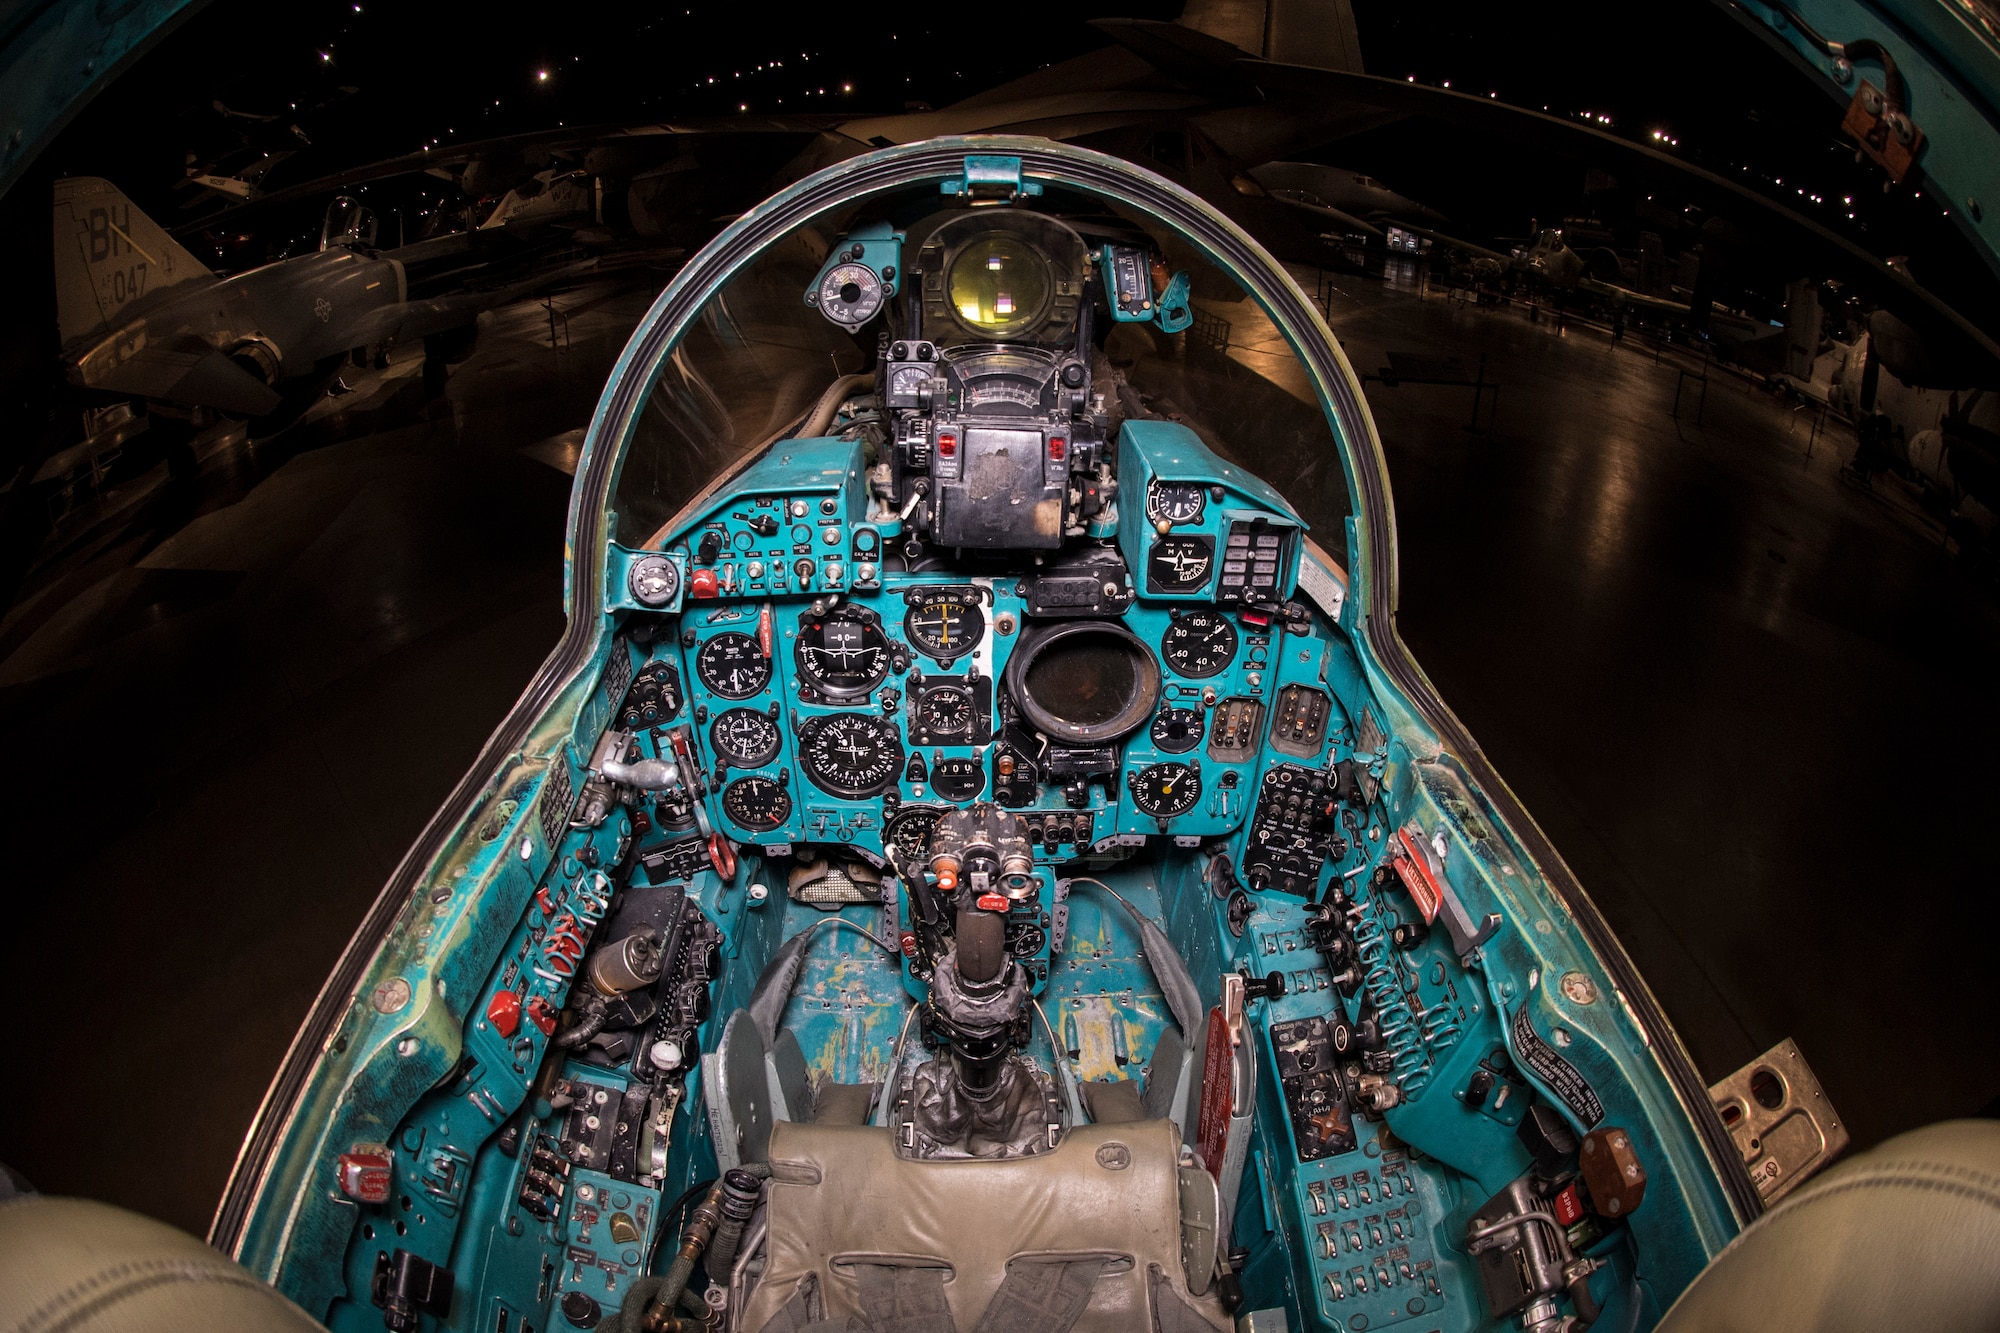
(1751, 703)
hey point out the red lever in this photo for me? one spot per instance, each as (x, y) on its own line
(504, 1013)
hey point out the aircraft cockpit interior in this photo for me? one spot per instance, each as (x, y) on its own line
(981, 879)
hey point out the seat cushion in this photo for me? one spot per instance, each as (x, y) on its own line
(86, 1267)
(1905, 1236)
(840, 1197)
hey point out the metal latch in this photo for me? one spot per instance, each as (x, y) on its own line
(991, 179)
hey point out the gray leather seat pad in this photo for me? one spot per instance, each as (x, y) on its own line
(1905, 1236)
(840, 1197)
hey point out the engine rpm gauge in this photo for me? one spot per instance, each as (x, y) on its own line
(756, 803)
(843, 655)
(855, 755)
(1199, 644)
(1166, 790)
(944, 623)
(1177, 730)
(744, 737)
(733, 665)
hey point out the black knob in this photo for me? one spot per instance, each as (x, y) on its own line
(1271, 987)
(709, 548)
(764, 525)
(581, 1309)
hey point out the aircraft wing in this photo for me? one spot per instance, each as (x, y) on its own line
(191, 373)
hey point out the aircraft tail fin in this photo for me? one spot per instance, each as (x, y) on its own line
(1320, 33)
(110, 258)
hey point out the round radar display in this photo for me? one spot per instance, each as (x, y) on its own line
(1166, 791)
(744, 737)
(654, 580)
(1199, 644)
(850, 294)
(756, 803)
(733, 665)
(856, 755)
(999, 285)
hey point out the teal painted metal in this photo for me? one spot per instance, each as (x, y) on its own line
(58, 54)
(1948, 55)
(990, 176)
(405, 1010)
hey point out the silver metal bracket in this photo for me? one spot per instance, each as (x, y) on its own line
(1781, 1120)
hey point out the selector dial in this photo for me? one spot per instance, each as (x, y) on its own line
(654, 580)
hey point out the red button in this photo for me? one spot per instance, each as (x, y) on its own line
(993, 902)
(368, 1174)
(702, 584)
(947, 444)
(1058, 448)
(542, 1014)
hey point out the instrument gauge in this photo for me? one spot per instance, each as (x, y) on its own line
(958, 779)
(1177, 730)
(1167, 790)
(1180, 564)
(856, 755)
(906, 837)
(1199, 644)
(850, 294)
(744, 737)
(654, 580)
(756, 803)
(944, 623)
(909, 381)
(945, 711)
(843, 655)
(733, 665)
(1176, 501)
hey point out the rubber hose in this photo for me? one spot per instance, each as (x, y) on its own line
(740, 1191)
(829, 403)
(1587, 1308)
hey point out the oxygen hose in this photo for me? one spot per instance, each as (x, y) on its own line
(709, 1215)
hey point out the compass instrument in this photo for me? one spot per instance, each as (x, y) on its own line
(1166, 790)
(944, 623)
(1180, 564)
(855, 755)
(744, 737)
(733, 665)
(1199, 644)
(842, 654)
(756, 802)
